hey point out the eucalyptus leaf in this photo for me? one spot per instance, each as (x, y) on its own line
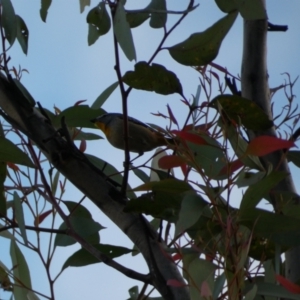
(20, 216)
(9, 152)
(154, 78)
(203, 47)
(158, 19)
(45, 4)
(83, 4)
(22, 33)
(78, 116)
(99, 22)
(104, 95)
(123, 33)
(83, 258)
(9, 21)
(20, 271)
(251, 9)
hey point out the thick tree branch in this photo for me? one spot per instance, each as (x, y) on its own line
(92, 182)
(254, 80)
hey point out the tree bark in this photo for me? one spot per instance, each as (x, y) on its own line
(254, 81)
(73, 164)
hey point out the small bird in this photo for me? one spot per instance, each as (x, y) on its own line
(141, 137)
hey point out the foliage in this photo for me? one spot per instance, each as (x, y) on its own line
(222, 251)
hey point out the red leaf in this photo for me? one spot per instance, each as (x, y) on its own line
(40, 218)
(263, 145)
(177, 256)
(231, 167)
(218, 67)
(159, 115)
(61, 186)
(209, 257)
(171, 115)
(170, 161)
(290, 286)
(176, 283)
(82, 146)
(215, 75)
(12, 166)
(190, 137)
(79, 102)
(184, 170)
(205, 290)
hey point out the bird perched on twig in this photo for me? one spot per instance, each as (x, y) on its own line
(141, 137)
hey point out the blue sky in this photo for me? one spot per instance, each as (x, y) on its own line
(64, 69)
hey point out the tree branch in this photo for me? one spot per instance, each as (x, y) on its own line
(91, 181)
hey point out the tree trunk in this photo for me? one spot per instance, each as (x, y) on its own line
(254, 81)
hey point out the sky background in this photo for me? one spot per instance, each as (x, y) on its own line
(64, 69)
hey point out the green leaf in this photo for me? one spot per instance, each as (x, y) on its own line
(79, 135)
(104, 96)
(3, 174)
(83, 224)
(9, 152)
(93, 34)
(25, 92)
(22, 34)
(247, 178)
(9, 21)
(83, 4)
(226, 6)
(32, 296)
(209, 157)
(5, 282)
(243, 110)
(239, 145)
(164, 201)
(282, 230)
(54, 183)
(20, 216)
(20, 271)
(141, 175)
(252, 293)
(5, 233)
(77, 209)
(200, 270)
(135, 19)
(219, 285)
(191, 209)
(153, 78)
(99, 22)
(251, 9)
(110, 171)
(294, 157)
(202, 48)
(269, 271)
(292, 209)
(45, 4)
(158, 20)
(78, 116)
(133, 293)
(172, 186)
(87, 228)
(257, 191)
(285, 202)
(272, 289)
(123, 33)
(83, 258)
